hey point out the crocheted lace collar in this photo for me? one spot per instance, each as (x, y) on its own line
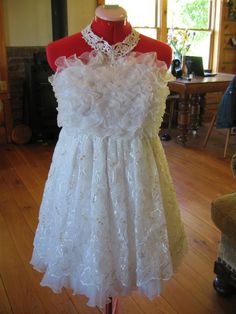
(120, 49)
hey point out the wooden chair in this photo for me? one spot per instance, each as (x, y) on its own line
(209, 131)
(171, 104)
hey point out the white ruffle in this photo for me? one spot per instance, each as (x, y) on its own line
(112, 100)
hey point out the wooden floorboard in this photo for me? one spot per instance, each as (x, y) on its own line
(5, 306)
(19, 288)
(199, 176)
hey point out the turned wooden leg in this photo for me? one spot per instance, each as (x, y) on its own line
(183, 120)
(202, 102)
(194, 113)
(8, 117)
(111, 308)
(171, 114)
(166, 136)
(197, 102)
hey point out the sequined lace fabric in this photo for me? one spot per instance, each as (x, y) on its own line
(109, 221)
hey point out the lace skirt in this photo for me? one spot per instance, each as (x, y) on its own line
(109, 221)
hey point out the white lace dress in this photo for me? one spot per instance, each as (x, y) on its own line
(109, 221)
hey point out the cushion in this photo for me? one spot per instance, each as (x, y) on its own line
(223, 212)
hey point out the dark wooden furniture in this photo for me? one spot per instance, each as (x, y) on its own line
(40, 104)
(5, 118)
(5, 109)
(192, 99)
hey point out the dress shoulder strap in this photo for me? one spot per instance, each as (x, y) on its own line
(114, 51)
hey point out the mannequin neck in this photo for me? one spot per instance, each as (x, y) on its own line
(111, 31)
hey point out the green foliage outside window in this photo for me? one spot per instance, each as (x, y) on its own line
(192, 14)
(195, 13)
(188, 14)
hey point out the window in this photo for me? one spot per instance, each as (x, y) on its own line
(196, 16)
(142, 15)
(155, 18)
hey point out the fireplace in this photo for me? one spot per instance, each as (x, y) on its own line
(39, 103)
(40, 112)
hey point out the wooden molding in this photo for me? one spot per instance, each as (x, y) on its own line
(3, 55)
(100, 2)
(225, 57)
(163, 26)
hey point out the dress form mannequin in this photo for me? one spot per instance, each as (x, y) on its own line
(110, 24)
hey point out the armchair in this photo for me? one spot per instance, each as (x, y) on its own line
(223, 211)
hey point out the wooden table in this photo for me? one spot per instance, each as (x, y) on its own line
(192, 100)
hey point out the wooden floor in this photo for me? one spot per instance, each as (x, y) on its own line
(199, 177)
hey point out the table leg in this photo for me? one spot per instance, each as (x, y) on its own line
(196, 111)
(202, 107)
(111, 308)
(183, 119)
(8, 119)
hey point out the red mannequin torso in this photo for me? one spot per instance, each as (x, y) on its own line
(113, 32)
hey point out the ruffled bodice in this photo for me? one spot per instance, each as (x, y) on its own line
(104, 97)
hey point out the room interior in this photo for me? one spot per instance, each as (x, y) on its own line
(28, 133)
